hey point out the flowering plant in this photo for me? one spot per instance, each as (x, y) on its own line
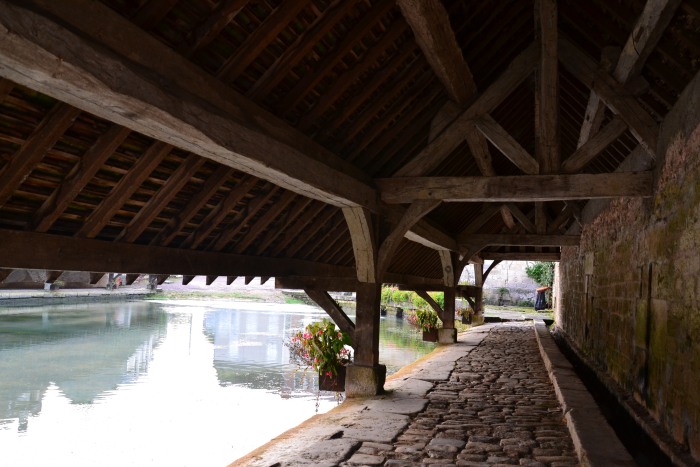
(427, 320)
(321, 346)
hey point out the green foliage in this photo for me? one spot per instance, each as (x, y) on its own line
(321, 346)
(427, 320)
(400, 296)
(541, 272)
(386, 294)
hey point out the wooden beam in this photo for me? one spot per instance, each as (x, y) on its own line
(640, 123)
(210, 279)
(594, 146)
(175, 225)
(508, 146)
(170, 188)
(487, 212)
(431, 26)
(78, 177)
(330, 284)
(436, 151)
(95, 277)
(52, 276)
(524, 240)
(423, 231)
(291, 216)
(431, 301)
(521, 217)
(540, 217)
(294, 232)
(390, 244)
(187, 279)
(264, 279)
(44, 136)
(85, 58)
(131, 278)
(547, 114)
(507, 217)
(448, 269)
(595, 109)
(230, 279)
(520, 256)
(122, 191)
(31, 250)
(248, 279)
(491, 267)
(561, 219)
(334, 310)
(4, 274)
(206, 32)
(647, 32)
(515, 188)
(161, 278)
(364, 245)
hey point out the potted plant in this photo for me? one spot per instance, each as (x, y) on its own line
(428, 322)
(466, 314)
(322, 346)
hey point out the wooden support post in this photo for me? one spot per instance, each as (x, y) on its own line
(330, 306)
(366, 377)
(479, 299)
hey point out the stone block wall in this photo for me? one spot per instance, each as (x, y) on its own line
(630, 293)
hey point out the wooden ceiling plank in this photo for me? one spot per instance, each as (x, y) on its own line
(152, 12)
(348, 78)
(415, 212)
(221, 17)
(122, 191)
(523, 240)
(437, 150)
(290, 218)
(18, 250)
(219, 213)
(78, 177)
(351, 39)
(647, 32)
(259, 39)
(300, 241)
(431, 26)
(520, 188)
(594, 146)
(242, 219)
(300, 48)
(640, 123)
(175, 225)
(265, 221)
(294, 233)
(44, 136)
(210, 119)
(505, 143)
(522, 218)
(167, 192)
(547, 114)
(6, 87)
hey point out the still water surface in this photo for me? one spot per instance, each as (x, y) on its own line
(177, 383)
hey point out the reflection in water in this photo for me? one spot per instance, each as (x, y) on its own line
(177, 382)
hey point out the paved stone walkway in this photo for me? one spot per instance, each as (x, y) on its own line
(487, 400)
(497, 408)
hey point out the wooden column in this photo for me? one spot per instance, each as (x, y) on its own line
(448, 315)
(366, 377)
(479, 281)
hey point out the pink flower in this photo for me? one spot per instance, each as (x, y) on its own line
(329, 374)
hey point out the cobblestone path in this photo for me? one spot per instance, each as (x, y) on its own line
(497, 408)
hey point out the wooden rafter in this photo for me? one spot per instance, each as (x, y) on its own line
(523, 219)
(290, 218)
(206, 32)
(123, 190)
(51, 128)
(170, 188)
(265, 221)
(78, 177)
(522, 240)
(505, 143)
(594, 146)
(647, 31)
(294, 232)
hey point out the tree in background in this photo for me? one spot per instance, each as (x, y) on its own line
(541, 272)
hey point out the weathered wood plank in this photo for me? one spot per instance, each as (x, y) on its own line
(44, 136)
(436, 151)
(364, 245)
(106, 67)
(591, 149)
(524, 240)
(264, 221)
(187, 279)
(122, 191)
(334, 310)
(522, 218)
(30, 250)
(366, 337)
(448, 270)
(206, 32)
(547, 115)
(520, 188)
(505, 143)
(78, 177)
(640, 123)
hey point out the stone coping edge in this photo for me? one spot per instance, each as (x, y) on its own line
(595, 442)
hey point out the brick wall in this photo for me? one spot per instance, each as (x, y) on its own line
(630, 293)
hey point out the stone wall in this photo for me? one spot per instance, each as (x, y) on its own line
(630, 293)
(508, 275)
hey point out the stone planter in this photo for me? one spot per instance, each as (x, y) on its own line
(335, 383)
(430, 336)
